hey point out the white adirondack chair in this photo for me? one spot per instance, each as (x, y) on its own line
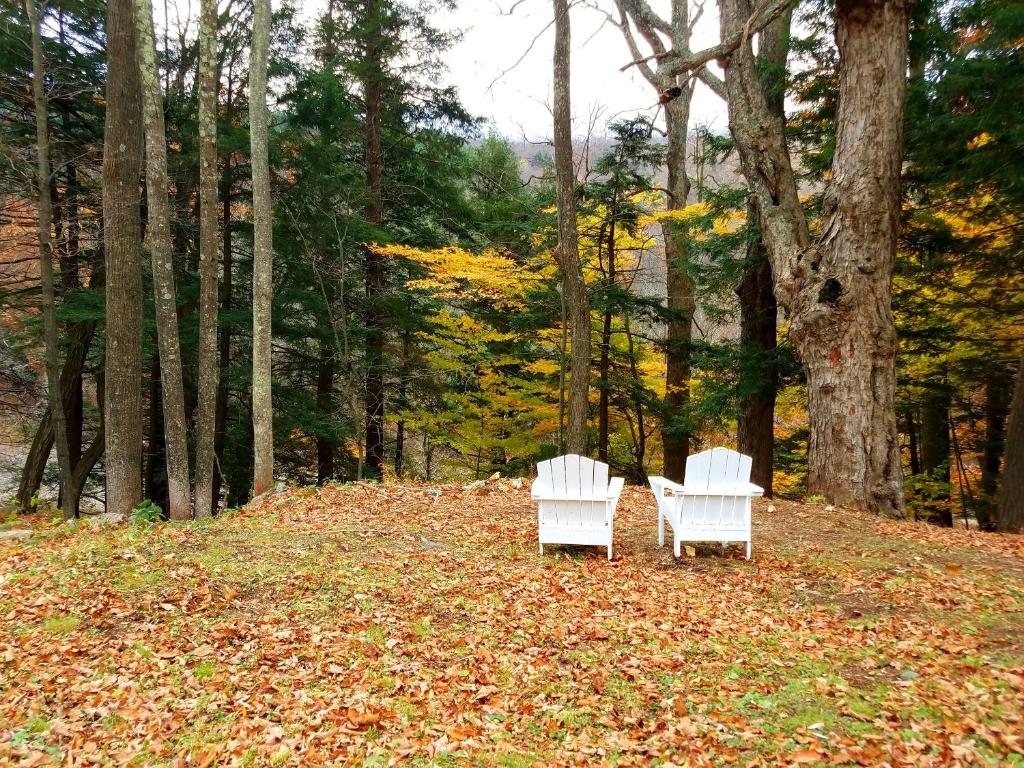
(714, 502)
(576, 502)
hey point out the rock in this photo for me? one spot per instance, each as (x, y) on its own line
(495, 476)
(771, 508)
(107, 518)
(428, 544)
(908, 674)
(690, 551)
(16, 534)
(517, 482)
(474, 485)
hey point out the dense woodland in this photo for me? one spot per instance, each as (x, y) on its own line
(249, 247)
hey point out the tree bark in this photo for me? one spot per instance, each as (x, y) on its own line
(205, 423)
(122, 241)
(1010, 513)
(837, 289)
(53, 387)
(373, 90)
(263, 255)
(158, 236)
(567, 253)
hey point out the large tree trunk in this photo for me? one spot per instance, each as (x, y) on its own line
(53, 387)
(263, 255)
(373, 89)
(837, 290)
(158, 234)
(1010, 516)
(122, 236)
(567, 253)
(205, 423)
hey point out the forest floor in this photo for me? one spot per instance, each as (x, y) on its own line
(367, 625)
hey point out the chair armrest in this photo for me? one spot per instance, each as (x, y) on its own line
(535, 488)
(615, 488)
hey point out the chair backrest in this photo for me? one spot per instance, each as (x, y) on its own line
(574, 476)
(717, 468)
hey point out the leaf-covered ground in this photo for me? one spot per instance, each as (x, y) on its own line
(372, 625)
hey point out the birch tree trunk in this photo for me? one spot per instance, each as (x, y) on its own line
(263, 255)
(837, 289)
(122, 245)
(69, 501)
(567, 253)
(208, 259)
(158, 236)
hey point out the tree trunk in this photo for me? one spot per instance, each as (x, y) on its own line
(675, 433)
(53, 387)
(122, 238)
(79, 339)
(205, 423)
(325, 410)
(935, 446)
(403, 385)
(155, 462)
(606, 349)
(912, 446)
(373, 88)
(263, 255)
(224, 357)
(676, 92)
(1010, 514)
(755, 434)
(759, 377)
(837, 290)
(996, 406)
(567, 253)
(158, 234)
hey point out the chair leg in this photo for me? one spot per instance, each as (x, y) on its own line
(609, 551)
(661, 529)
(677, 549)
(748, 550)
(542, 548)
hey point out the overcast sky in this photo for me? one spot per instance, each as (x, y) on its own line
(517, 102)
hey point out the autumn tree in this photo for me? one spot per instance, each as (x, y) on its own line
(158, 237)
(567, 253)
(263, 254)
